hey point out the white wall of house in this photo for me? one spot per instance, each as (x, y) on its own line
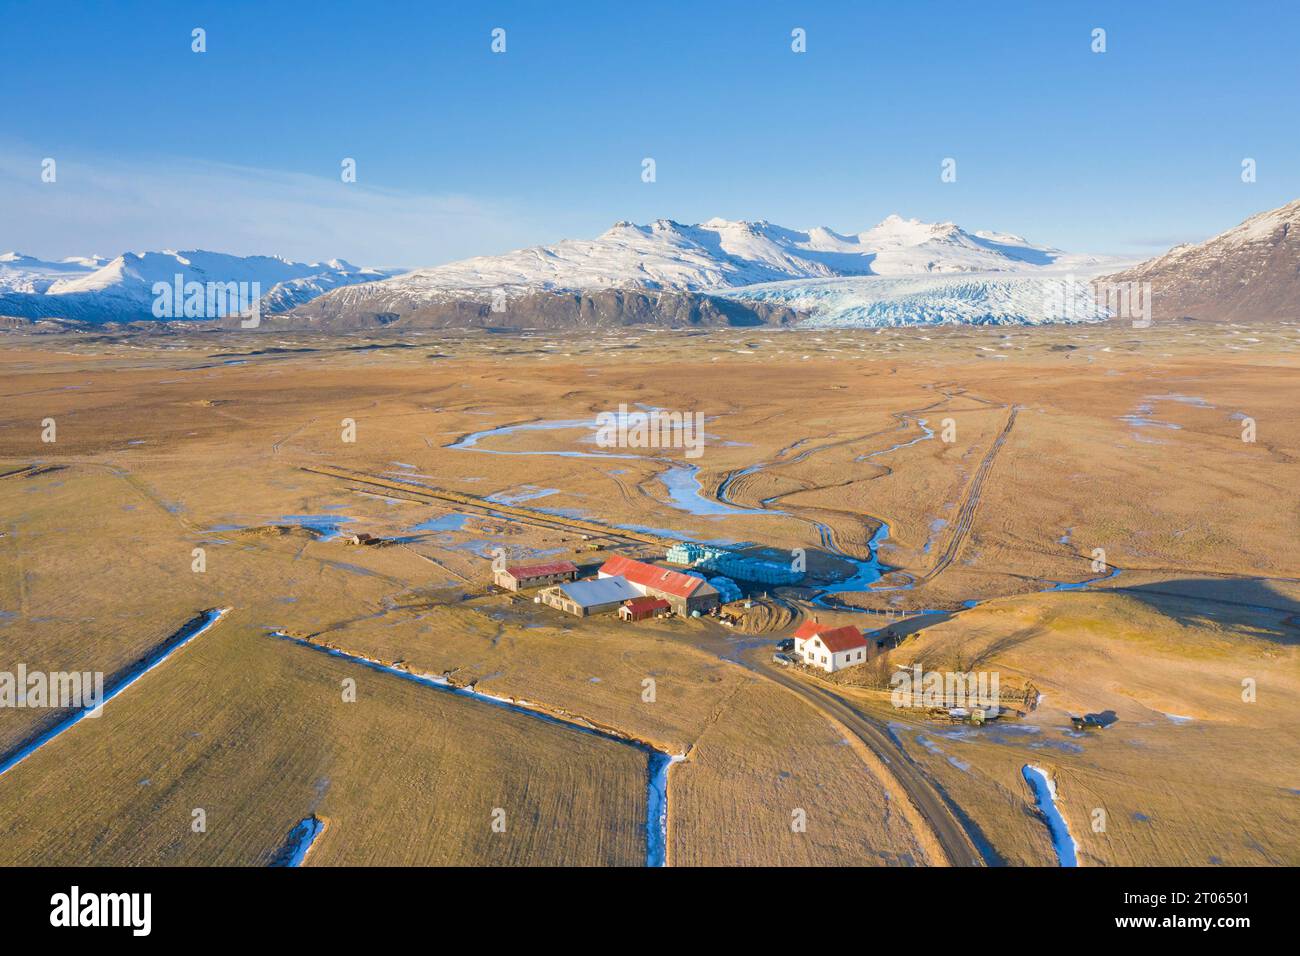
(854, 655)
(811, 651)
(814, 653)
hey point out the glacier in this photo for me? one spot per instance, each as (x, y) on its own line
(966, 299)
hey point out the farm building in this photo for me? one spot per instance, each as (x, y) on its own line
(830, 648)
(362, 539)
(638, 609)
(684, 592)
(521, 576)
(582, 598)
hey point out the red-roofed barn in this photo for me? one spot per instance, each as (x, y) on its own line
(519, 576)
(685, 592)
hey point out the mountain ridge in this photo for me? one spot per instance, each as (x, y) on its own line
(696, 266)
(1250, 271)
(719, 271)
(95, 290)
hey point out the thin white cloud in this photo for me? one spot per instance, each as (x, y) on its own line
(108, 207)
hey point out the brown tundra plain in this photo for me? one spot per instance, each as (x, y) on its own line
(1105, 516)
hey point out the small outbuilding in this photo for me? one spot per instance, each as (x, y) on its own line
(638, 609)
(520, 576)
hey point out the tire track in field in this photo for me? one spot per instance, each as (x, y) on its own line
(966, 516)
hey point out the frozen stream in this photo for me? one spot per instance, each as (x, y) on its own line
(188, 632)
(1045, 794)
(685, 494)
(299, 843)
(680, 480)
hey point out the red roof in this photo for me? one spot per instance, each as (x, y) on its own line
(649, 576)
(647, 604)
(808, 628)
(519, 571)
(836, 639)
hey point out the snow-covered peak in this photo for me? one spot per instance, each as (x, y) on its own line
(122, 288)
(14, 260)
(28, 274)
(1002, 237)
(897, 231)
(724, 253)
(133, 274)
(1262, 226)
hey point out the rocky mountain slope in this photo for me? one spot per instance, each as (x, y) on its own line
(1252, 271)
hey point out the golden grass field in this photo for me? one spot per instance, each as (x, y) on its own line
(255, 732)
(169, 443)
(1190, 774)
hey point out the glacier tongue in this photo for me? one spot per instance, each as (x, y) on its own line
(967, 299)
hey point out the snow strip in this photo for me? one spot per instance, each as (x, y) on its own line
(1045, 793)
(188, 632)
(657, 772)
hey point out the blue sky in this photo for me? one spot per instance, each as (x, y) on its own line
(461, 151)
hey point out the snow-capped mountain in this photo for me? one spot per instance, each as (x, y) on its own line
(720, 254)
(632, 274)
(27, 274)
(1250, 271)
(122, 290)
(901, 271)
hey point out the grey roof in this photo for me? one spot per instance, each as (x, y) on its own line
(600, 591)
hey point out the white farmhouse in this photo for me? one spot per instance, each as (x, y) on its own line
(830, 648)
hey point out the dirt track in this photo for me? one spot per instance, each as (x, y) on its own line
(956, 843)
(966, 516)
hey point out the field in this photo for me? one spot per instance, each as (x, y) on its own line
(255, 733)
(225, 470)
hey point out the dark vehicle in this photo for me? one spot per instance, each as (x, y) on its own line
(1094, 721)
